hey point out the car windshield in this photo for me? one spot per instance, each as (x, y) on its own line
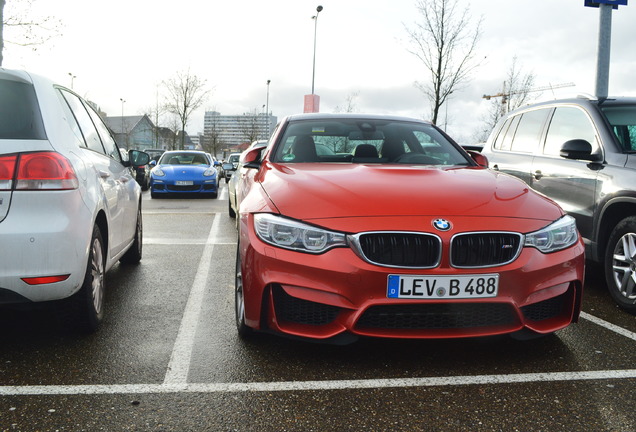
(366, 141)
(623, 121)
(184, 159)
(19, 112)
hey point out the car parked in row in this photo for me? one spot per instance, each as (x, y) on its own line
(396, 232)
(69, 205)
(581, 152)
(235, 179)
(231, 165)
(184, 172)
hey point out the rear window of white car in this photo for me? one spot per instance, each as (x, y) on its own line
(20, 117)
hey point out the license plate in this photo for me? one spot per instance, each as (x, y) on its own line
(184, 182)
(443, 287)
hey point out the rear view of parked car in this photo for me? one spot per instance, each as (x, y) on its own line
(581, 153)
(69, 205)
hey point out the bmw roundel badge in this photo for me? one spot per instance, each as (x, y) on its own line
(442, 224)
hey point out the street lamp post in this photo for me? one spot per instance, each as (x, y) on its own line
(267, 110)
(123, 131)
(72, 79)
(313, 75)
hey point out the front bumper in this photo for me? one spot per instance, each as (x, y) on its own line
(335, 293)
(162, 187)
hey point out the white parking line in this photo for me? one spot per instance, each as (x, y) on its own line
(315, 385)
(179, 365)
(612, 327)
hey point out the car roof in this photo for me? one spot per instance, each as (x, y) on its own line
(358, 116)
(580, 100)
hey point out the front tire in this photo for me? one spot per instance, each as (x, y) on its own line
(133, 255)
(239, 299)
(620, 264)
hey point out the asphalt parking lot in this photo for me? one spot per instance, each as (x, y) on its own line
(168, 359)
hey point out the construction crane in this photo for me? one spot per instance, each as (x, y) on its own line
(505, 95)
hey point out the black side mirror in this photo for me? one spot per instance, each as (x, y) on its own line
(578, 149)
(138, 158)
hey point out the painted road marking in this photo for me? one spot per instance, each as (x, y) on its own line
(315, 385)
(179, 365)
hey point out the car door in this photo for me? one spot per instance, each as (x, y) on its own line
(517, 143)
(108, 172)
(573, 184)
(127, 190)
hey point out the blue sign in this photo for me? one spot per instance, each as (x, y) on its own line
(614, 3)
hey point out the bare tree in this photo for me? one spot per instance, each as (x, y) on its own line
(212, 142)
(2, 3)
(30, 29)
(186, 93)
(516, 91)
(249, 125)
(445, 41)
(350, 105)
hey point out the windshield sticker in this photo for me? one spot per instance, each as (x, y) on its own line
(289, 157)
(318, 129)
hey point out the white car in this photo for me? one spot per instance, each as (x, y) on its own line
(69, 205)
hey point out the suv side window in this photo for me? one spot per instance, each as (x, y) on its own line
(507, 132)
(529, 131)
(85, 123)
(568, 123)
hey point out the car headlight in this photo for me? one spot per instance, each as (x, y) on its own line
(209, 172)
(157, 172)
(294, 235)
(556, 236)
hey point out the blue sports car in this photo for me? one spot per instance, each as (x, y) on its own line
(184, 172)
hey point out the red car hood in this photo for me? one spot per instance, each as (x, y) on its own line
(318, 191)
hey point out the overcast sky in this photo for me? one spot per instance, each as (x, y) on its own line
(126, 48)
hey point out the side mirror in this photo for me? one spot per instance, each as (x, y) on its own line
(228, 166)
(152, 163)
(577, 149)
(138, 158)
(252, 158)
(217, 163)
(479, 158)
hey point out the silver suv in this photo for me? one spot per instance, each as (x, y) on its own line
(581, 153)
(70, 207)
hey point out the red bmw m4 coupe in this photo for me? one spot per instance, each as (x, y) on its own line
(361, 225)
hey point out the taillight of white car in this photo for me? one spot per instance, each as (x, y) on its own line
(37, 171)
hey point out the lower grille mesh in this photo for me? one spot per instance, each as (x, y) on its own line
(292, 309)
(437, 316)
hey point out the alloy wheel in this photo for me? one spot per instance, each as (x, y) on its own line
(624, 266)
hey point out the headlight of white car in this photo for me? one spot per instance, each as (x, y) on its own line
(556, 236)
(294, 235)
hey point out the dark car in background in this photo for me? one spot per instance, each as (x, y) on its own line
(581, 152)
(230, 165)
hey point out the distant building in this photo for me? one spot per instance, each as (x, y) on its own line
(230, 131)
(166, 139)
(132, 132)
